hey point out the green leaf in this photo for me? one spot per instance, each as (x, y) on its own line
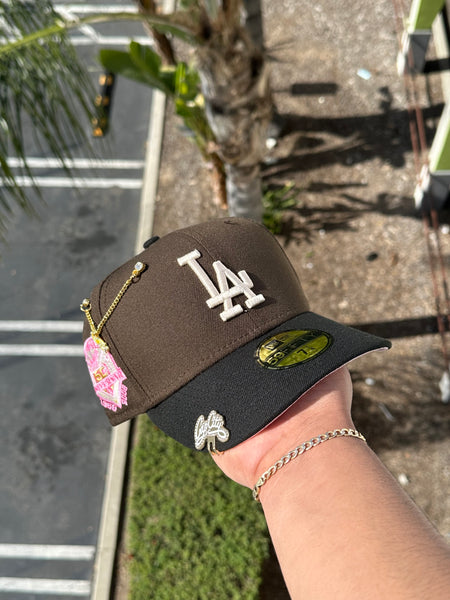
(145, 58)
(121, 63)
(150, 62)
(132, 64)
(187, 82)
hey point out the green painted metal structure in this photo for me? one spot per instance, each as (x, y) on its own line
(423, 13)
(439, 155)
(434, 184)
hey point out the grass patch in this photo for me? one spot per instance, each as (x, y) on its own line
(277, 199)
(192, 533)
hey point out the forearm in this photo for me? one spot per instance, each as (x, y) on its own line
(342, 528)
(341, 525)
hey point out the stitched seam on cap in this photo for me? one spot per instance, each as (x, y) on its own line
(199, 241)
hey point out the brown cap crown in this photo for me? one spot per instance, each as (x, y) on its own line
(163, 333)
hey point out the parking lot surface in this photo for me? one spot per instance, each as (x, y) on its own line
(55, 437)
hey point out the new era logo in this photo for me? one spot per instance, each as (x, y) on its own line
(242, 284)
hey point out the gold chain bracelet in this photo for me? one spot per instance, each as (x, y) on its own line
(304, 447)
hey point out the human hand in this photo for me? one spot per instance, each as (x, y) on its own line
(324, 407)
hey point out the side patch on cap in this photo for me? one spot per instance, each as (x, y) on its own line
(106, 376)
(290, 348)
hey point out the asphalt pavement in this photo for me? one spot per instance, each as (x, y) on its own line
(55, 437)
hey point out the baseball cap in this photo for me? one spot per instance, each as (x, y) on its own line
(208, 331)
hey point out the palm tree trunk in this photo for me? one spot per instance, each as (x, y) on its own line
(235, 84)
(254, 22)
(163, 44)
(244, 191)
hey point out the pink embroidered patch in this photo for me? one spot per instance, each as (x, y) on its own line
(106, 376)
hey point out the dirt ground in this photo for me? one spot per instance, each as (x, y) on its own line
(356, 240)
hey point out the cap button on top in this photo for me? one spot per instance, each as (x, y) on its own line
(151, 241)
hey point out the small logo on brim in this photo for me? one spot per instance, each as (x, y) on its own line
(207, 430)
(288, 349)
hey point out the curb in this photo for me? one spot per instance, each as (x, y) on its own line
(118, 450)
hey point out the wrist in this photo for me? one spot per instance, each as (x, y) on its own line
(323, 408)
(308, 425)
(301, 449)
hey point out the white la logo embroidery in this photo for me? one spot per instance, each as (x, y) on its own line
(207, 430)
(242, 284)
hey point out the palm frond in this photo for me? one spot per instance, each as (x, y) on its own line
(46, 89)
(43, 88)
(181, 24)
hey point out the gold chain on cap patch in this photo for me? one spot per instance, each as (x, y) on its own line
(106, 376)
(290, 348)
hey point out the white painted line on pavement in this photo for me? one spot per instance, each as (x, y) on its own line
(42, 326)
(110, 40)
(61, 350)
(86, 9)
(77, 163)
(66, 587)
(87, 30)
(69, 13)
(78, 182)
(47, 552)
(104, 40)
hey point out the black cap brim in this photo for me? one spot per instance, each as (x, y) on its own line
(250, 396)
